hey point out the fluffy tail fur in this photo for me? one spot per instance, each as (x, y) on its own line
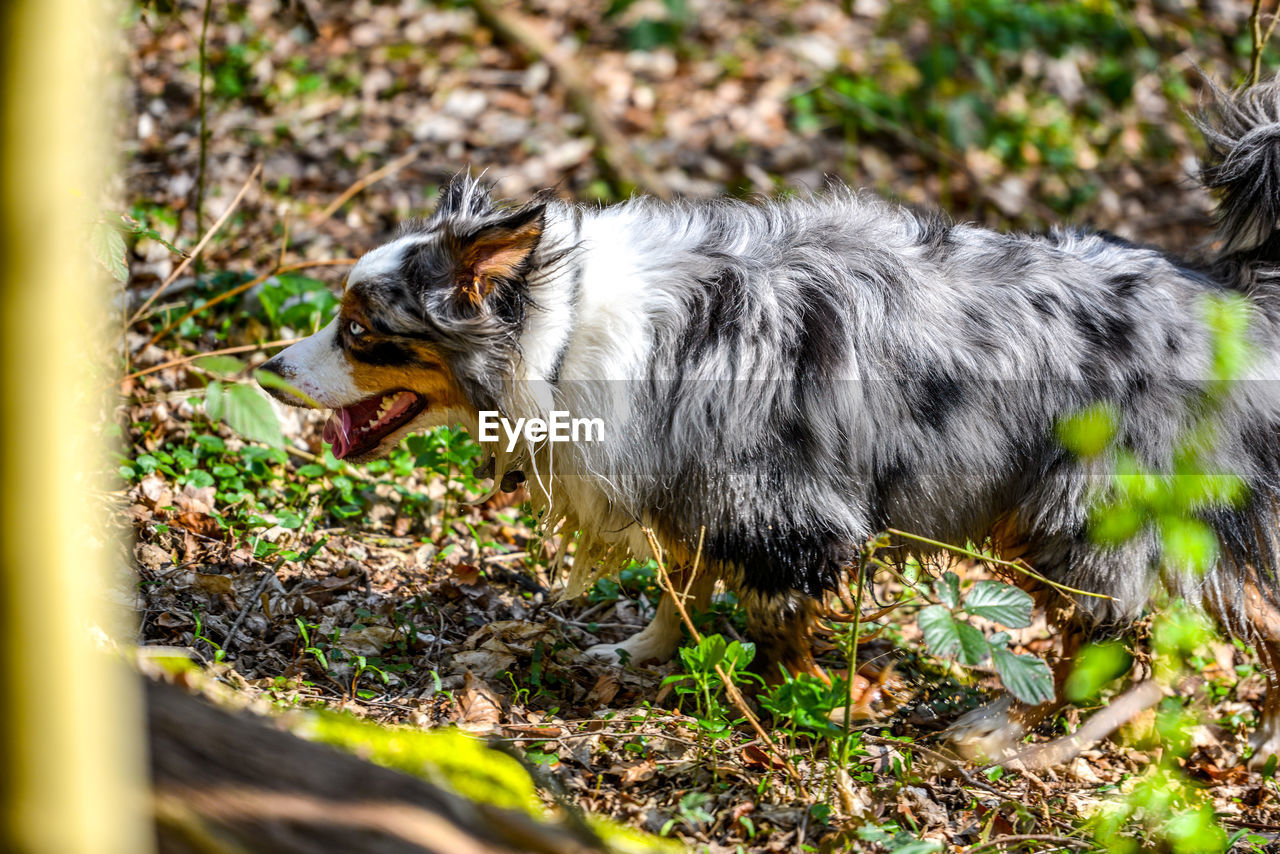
(1242, 130)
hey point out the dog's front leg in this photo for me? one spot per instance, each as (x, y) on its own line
(659, 640)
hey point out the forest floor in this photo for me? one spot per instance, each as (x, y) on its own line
(379, 591)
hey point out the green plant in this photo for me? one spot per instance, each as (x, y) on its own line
(691, 812)
(949, 633)
(219, 654)
(703, 683)
(1164, 807)
(309, 648)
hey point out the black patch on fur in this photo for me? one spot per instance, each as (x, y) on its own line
(936, 397)
(385, 354)
(1125, 284)
(1105, 332)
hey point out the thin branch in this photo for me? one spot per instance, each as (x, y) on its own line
(202, 108)
(735, 696)
(372, 178)
(1260, 39)
(1104, 722)
(186, 262)
(1021, 838)
(241, 288)
(1017, 567)
(227, 351)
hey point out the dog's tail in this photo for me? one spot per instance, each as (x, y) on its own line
(1242, 131)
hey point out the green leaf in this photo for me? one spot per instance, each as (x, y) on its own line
(251, 415)
(918, 846)
(1095, 666)
(1089, 432)
(941, 630)
(974, 648)
(214, 398)
(266, 379)
(739, 654)
(1188, 543)
(947, 588)
(1026, 677)
(1116, 524)
(223, 366)
(110, 250)
(1001, 603)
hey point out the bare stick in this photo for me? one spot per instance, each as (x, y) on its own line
(697, 558)
(372, 178)
(1049, 839)
(735, 696)
(239, 289)
(226, 351)
(613, 149)
(204, 116)
(1104, 722)
(213, 229)
(1255, 33)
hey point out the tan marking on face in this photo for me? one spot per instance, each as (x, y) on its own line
(428, 375)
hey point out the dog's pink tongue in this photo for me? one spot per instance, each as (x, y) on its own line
(337, 432)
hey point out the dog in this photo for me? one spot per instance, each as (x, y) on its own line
(780, 380)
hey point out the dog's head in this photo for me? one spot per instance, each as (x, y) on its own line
(429, 325)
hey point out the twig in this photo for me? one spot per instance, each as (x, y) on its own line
(372, 178)
(1017, 567)
(1030, 837)
(613, 150)
(1260, 40)
(226, 351)
(213, 229)
(239, 289)
(1104, 722)
(202, 108)
(735, 696)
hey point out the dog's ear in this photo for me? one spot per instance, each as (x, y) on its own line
(498, 250)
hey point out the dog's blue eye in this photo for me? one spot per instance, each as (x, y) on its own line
(356, 329)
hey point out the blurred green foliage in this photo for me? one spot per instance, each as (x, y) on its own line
(954, 76)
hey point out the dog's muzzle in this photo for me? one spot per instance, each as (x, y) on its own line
(277, 367)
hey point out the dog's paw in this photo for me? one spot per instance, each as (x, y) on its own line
(988, 733)
(627, 652)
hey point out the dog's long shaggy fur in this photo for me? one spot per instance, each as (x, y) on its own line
(794, 376)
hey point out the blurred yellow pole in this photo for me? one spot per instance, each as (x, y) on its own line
(70, 727)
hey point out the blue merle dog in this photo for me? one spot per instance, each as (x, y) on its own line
(779, 381)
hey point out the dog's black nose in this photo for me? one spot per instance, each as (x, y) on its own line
(274, 376)
(276, 366)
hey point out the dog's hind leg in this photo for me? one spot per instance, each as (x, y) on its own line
(659, 640)
(781, 625)
(1260, 627)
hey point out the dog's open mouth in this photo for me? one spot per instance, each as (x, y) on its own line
(357, 429)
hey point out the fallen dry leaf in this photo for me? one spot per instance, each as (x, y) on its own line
(370, 640)
(479, 709)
